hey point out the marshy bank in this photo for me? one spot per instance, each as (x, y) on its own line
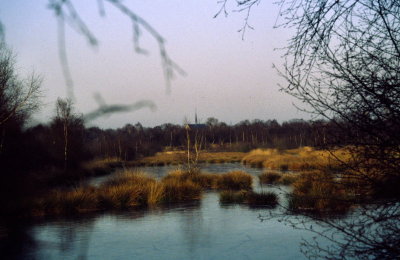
(202, 229)
(130, 189)
(206, 220)
(313, 175)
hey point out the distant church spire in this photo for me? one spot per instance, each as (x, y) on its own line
(195, 116)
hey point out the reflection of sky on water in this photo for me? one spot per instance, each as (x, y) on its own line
(202, 231)
(197, 230)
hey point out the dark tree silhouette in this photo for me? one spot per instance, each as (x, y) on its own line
(343, 62)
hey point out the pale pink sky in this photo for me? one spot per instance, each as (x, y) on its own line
(227, 77)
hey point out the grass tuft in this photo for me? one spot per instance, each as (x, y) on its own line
(235, 180)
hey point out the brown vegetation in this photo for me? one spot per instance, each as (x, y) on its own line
(301, 159)
(279, 178)
(131, 189)
(235, 180)
(180, 157)
(319, 191)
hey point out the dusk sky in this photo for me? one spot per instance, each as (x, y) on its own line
(227, 78)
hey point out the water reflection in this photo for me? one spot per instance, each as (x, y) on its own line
(196, 230)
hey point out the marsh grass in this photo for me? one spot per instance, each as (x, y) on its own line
(235, 180)
(301, 159)
(204, 180)
(319, 192)
(101, 166)
(122, 196)
(76, 200)
(132, 189)
(180, 158)
(269, 177)
(181, 191)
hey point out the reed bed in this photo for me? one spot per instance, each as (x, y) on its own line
(131, 189)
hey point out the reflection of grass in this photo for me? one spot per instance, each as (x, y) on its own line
(305, 158)
(318, 191)
(272, 177)
(180, 157)
(232, 196)
(262, 199)
(249, 197)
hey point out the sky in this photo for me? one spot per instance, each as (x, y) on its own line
(227, 77)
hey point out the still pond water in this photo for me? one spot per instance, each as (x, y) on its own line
(200, 230)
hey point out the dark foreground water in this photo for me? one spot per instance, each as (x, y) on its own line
(201, 230)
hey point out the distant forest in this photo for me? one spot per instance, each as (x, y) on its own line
(46, 143)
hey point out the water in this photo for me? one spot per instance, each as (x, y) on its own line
(198, 230)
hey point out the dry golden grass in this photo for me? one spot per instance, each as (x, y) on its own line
(120, 196)
(256, 158)
(156, 193)
(235, 180)
(128, 189)
(300, 159)
(204, 180)
(77, 200)
(181, 190)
